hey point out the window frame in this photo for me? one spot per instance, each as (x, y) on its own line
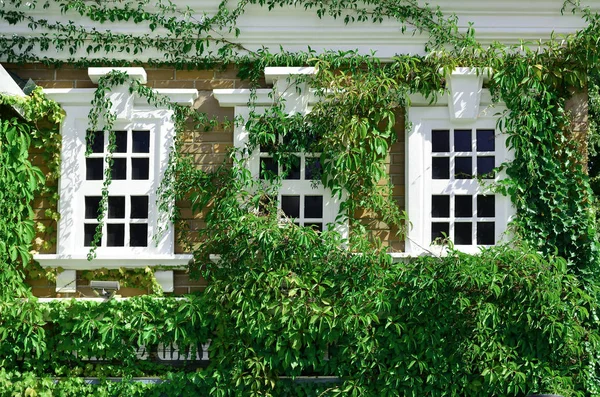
(297, 98)
(292, 187)
(133, 113)
(421, 186)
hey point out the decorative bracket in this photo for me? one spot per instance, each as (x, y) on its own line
(464, 92)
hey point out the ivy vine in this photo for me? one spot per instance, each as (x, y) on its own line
(520, 319)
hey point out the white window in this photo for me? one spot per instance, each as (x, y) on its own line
(453, 148)
(143, 139)
(300, 198)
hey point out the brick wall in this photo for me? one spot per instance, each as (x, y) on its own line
(42, 288)
(207, 148)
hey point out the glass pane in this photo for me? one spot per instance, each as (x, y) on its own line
(116, 207)
(486, 233)
(485, 166)
(440, 206)
(139, 207)
(291, 206)
(140, 168)
(140, 141)
(94, 169)
(463, 168)
(292, 169)
(97, 141)
(318, 226)
(138, 235)
(440, 141)
(462, 140)
(313, 206)
(120, 141)
(268, 168)
(115, 235)
(463, 206)
(485, 141)
(89, 229)
(439, 230)
(119, 169)
(313, 168)
(486, 206)
(440, 168)
(92, 206)
(462, 233)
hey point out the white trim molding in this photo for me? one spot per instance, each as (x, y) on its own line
(464, 115)
(154, 126)
(297, 98)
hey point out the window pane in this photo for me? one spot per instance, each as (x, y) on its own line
(97, 141)
(318, 226)
(138, 235)
(94, 169)
(462, 140)
(486, 233)
(115, 235)
(120, 141)
(485, 166)
(140, 141)
(462, 233)
(292, 169)
(268, 168)
(116, 207)
(89, 229)
(313, 206)
(440, 206)
(463, 206)
(440, 168)
(119, 169)
(485, 141)
(92, 205)
(463, 168)
(486, 206)
(291, 206)
(140, 169)
(439, 230)
(313, 168)
(139, 207)
(440, 141)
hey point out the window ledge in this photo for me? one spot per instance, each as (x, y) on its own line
(80, 262)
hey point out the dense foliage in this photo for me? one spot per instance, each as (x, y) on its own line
(506, 322)
(285, 301)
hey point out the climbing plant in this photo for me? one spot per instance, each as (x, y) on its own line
(285, 300)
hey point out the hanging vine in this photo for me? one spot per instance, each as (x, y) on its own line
(507, 322)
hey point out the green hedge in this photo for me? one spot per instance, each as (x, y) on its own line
(505, 322)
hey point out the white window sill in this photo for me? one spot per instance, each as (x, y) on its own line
(80, 262)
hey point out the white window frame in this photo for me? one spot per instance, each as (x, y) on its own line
(467, 106)
(297, 99)
(133, 113)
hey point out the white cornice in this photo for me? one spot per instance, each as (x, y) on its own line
(84, 96)
(138, 74)
(230, 97)
(295, 29)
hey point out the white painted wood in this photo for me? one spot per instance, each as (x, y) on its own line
(66, 281)
(165, 280)
(135, 114)
(297, 98)
(8, 85)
